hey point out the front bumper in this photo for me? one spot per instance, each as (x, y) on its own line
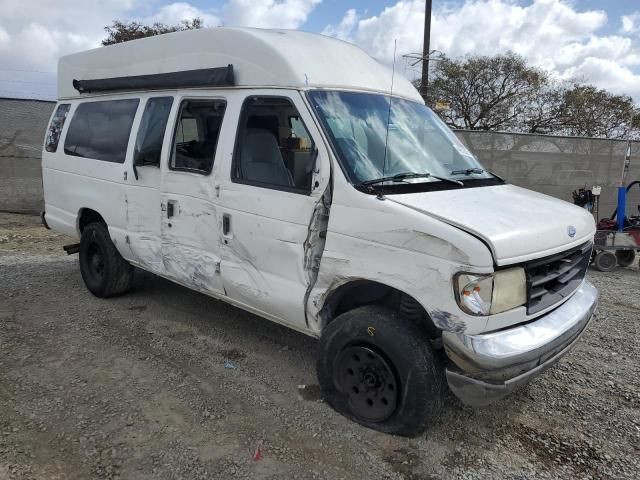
(487, 367)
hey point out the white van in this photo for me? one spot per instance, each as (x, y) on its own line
(289, 174)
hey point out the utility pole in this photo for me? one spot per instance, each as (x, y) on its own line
(426, 50)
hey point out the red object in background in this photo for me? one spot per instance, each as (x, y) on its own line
(607, 224)
(257, 455)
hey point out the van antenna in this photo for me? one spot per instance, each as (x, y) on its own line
(386, 140)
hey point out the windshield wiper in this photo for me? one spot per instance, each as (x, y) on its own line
(406, 175)
(477, 171)
(468, 171)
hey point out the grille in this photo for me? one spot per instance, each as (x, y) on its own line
(553, 278)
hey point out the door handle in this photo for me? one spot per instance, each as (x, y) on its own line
(170, 209)
(226, 224)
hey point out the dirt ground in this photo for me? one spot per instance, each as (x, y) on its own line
(168, 383)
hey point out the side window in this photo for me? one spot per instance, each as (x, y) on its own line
(151, 131)
(196, 135)
(274, 148)
(55, 128)
(100, 130)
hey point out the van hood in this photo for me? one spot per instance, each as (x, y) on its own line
(517, 224)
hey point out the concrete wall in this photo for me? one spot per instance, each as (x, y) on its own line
(22, 128)
(552, 165)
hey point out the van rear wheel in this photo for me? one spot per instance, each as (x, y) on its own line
(378, 369)
(104, 271)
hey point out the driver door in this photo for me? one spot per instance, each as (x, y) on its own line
(279, 173)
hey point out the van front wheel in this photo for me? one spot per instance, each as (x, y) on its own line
(377, 368)
(104, 271)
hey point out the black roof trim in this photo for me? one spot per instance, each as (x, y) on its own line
(204, 77)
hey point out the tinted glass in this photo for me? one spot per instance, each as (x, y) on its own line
(375, 139)
(100, 130)
(275, 149)
(55, 128)
(151, 131)
(196, 135)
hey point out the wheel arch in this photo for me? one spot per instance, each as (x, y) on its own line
(87, 216)
(359, 292)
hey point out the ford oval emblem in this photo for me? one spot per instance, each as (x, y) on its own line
(571, 231)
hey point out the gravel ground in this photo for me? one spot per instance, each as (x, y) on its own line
(136, 387)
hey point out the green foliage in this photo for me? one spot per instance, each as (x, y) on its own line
(484, 93)
(593, 112)
(504, 93)
(119, 32)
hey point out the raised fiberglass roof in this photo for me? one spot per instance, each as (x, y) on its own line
(260, 57)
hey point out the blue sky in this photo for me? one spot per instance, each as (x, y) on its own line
(594, 41)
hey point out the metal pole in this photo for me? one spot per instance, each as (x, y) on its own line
(622, 189)
(426, 49)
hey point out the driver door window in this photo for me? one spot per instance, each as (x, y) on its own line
(274, 148)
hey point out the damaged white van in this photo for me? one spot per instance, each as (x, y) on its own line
(281, 172)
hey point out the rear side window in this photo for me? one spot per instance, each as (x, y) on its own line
(55, 128)
(151, 131)
(196, 135)
(100, 130)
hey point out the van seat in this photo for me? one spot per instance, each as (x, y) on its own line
(261, 159)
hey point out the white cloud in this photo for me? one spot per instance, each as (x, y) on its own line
(39, 31)
(177, 12)
(631, 23)
(344, 28)
(4, 38)
(35, 33)
(552, 34)
(268, 13)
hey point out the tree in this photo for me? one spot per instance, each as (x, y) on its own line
(593, 112)
(545, 113)
(119, 32)
(485, 93)
(504, 93)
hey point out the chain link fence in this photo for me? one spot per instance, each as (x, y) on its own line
(557, 166)
(548, 164)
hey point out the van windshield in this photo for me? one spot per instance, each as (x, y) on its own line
(418, 146)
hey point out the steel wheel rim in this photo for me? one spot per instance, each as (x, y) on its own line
(369, 383)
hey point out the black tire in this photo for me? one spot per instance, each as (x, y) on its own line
(605, 261)
(625, 257)
(395, 348)
(104, 271)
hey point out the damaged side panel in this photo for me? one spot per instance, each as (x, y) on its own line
(375, 244)
(315, 244)
(190, 243)
(269, 252)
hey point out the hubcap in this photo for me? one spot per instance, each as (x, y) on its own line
(369, 383)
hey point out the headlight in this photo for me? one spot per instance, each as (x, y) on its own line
(479, 294)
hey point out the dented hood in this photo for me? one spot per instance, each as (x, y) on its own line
(517, 224)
